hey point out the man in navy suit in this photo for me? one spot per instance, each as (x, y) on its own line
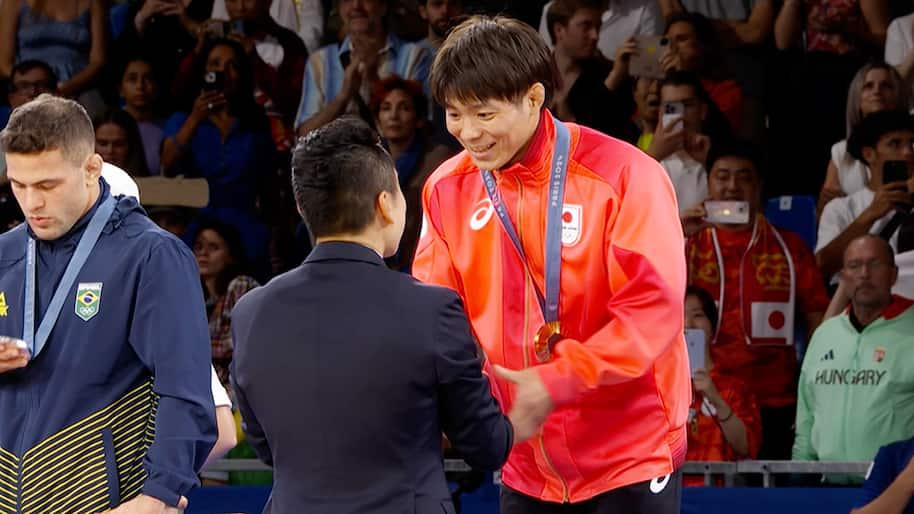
(346, 373)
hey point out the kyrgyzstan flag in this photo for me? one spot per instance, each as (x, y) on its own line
(772, 320)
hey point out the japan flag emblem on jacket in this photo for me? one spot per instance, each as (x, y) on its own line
(571, 224)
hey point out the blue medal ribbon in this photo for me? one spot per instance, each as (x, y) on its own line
(36, 341)
(549, 304)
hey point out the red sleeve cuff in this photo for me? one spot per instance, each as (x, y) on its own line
(559, 378)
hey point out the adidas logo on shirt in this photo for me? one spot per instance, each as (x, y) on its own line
(830, 356)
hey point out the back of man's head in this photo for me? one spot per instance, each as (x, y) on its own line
(487, 58)
(49, 123)
(873, 127)
(338, 171)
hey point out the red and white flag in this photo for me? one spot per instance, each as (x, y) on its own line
(772, 320)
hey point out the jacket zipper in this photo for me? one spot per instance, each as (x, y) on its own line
(20, 446)
(542, 442)
(528, 279)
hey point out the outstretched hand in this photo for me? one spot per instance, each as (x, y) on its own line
(532, 402)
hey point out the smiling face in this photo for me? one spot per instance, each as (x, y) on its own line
(878, 92)
(495, 132)
(362, 16)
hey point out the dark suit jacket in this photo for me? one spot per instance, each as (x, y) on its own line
(346, 373)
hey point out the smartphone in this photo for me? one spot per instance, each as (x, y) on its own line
(672, 113)
(695, 344)
(19, 343)
(727, 212)
(213, 81)
(645, 62)
(894, 171)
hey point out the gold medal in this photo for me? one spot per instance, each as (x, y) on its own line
(546, 337)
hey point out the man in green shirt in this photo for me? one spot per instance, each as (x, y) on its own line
(856, 389)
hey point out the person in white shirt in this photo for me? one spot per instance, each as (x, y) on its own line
(621, 20)
(875, 87)
(879, 138)
(899, 47)
(679, 142)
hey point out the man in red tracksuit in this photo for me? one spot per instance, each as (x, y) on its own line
(567, 250)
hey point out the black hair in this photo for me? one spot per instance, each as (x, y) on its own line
(870, 130)
(707, 303)
(338, 171)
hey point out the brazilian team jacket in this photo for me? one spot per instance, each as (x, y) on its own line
(118, 402)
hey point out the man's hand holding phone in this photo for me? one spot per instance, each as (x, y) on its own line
(14, 354)
(669, 137)
(730, 212)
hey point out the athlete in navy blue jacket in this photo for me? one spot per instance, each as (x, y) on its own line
(110, 404)
(889, 486)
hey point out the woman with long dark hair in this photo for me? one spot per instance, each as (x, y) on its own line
(224, 276)
(223, 136)
(400, 111)
(118, 141)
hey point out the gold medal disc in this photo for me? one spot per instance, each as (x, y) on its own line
(546, 337)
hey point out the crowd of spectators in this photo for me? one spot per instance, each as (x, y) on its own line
(739, 100)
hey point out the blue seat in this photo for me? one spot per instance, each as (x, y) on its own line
(794, 213)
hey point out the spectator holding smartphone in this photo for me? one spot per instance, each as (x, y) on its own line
(225, 120)
(621, 20)
(684, 135)
(277, 56)
(163, 30)
(879, 138)
(766, 284)
(876, 87)
(724, 422)
(583, 95)
(694, 47)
